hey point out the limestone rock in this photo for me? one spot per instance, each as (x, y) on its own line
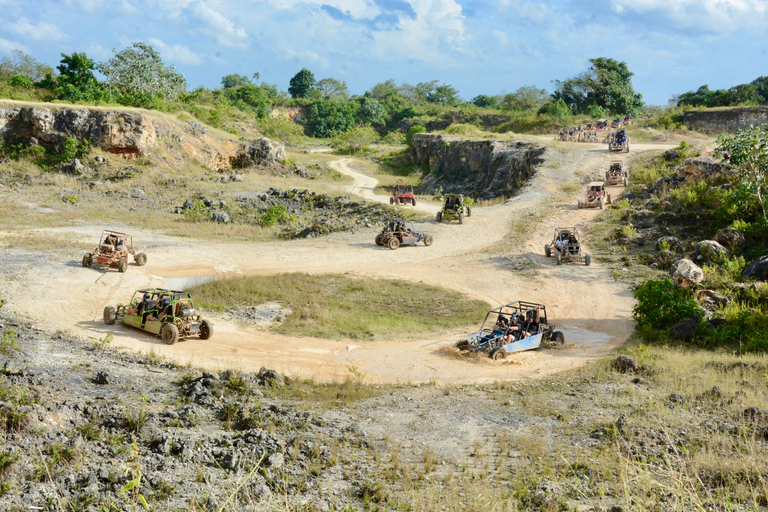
(731, 238)
(261, 152)
(674, 243)
(625, 364)
(757, 270)
(686, 274)
(711, 251)
(684, 330)
(699, 167)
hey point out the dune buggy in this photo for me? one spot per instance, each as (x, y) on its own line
(403, 195)
(618, 141)
(513, 327)
(401, 232)
(169, 314)
(113, 250)
(616, 175)
(595, 196)
(454, 209)
(566, 247)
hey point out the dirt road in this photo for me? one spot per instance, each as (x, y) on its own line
(586, 303)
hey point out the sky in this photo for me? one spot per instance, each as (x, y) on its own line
(477, 46)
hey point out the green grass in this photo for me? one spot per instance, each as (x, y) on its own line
(338, 306)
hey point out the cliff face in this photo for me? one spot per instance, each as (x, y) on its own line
(120, 133)
(479, 168)
(725, 120)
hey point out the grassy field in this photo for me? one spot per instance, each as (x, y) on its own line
(339, 306)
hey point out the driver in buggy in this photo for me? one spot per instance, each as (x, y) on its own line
(573, 244)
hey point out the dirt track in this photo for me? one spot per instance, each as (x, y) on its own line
(586, 303)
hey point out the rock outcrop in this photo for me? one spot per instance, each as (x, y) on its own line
(480, 168)
(757, 270)
(718, 120)
(119, 133)
(263, 151)
(686, 274)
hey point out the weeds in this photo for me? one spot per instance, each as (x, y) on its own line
(8, 343)
(136, 417)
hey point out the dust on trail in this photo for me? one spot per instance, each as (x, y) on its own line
(584, 302)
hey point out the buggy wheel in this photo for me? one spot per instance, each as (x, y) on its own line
(413, 202)
(499, 354)
(462, 345)
(469, 211)
(379, 241)
(141, 259)
(391, 200)
(626, 182)
(206, 330)
(557, 338)
(578, 204)
(439, 217)
(610, 201)
(547, 251)
(122, 265)
(394, 243)
(428, 240)
(627, 150)
(170, 334)
(601, 203)
(587, 259)
(87, 260)
(110, 315)
(559, 258)
(461, 218)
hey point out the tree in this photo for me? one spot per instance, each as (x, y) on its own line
(76, 70)
(19, 63)
(383, 90)
(355, 141)
(332, 89)
(139, 70)
(433, 93)
(484, 101)
(606, 83)
(234, 80)
(748, 151)
(301, 84)
(372, 112)
(526, 98)
(329, 118)
(559, 109)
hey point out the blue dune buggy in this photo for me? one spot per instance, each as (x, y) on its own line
(512, 328)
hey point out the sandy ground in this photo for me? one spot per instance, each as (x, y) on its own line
(584, 302)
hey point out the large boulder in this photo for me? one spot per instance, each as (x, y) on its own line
(263, 151)
(684, 330)
(686, 274)
(731, 238)
(757, 270)
(699, 167)
(711, 251)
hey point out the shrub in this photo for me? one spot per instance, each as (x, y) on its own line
(660, 304)
(462, 129)
(274, 215)
(355, 141)
(22, 81)
(417, 128)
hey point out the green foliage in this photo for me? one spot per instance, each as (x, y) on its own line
(76, 70)
(413, 130)
(280, 128)
(525, 99)
(274, 215)
(754, 93)
(329, 118)
(372, 112)
(19, 63)
(234, 80)
(434, 93)
(139, 74)
(21, 81)
(527, 122)
(198, 212)
(559, 109)
(71, 198)
(301, 84)
(596, 111)
(332, 89)
(462, 129)
(484, 101)
(355, 141)
(748, 151)
(606, 83)
(660, 304)
(8, 341)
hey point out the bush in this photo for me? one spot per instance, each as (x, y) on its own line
(274, 215)
(22, 81)
(355, 141)
(417, 128)
(660, 304)
(462, 129)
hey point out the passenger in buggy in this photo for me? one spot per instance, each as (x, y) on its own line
(561, 244)
(573, 244)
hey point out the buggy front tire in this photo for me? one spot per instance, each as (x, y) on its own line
(461, 218)
(110, 315)
(379, 241)
(122, 265)
(578, 204)
(394, 243)
(141, 259)
(602, 203)
(559, 258)
(428, 240)
(206, 330)
(499, 354)
(587, 259)
(391, 200)
(462, 345)
(170, 334)
(557, 338)
(626, 182)
(413, 202)
(610, 201)
(87, 260)
(469, 211)
(439, 217)
(547, 251)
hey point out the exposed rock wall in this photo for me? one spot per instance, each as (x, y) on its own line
(120, 133)
(725, 119)
(480, 168)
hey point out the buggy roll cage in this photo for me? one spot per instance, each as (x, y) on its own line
(513, 310)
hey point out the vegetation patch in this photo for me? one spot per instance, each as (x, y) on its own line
(338, 306)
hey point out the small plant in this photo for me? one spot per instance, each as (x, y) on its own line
(660, 304)
(8, 343)
(133, 470)
(71, 198)
(103, 342)
(136, 417)
(198, 212)
(274, 215)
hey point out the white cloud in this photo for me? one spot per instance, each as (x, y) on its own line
(6, 46)
(219, 27)
(36, 32)
(714, 16)
(176, 53)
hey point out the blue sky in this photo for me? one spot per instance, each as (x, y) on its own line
(478, 46)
